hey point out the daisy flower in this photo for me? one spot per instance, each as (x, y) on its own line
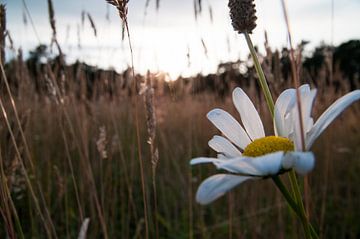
(246, 153)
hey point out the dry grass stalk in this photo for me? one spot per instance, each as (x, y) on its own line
(157, 4)
(101, 143)
(149, 97)
(31, 21)
(122, 8)
(60, 183)
(188, 56)
(196, 9)
(92, 23)
(68, 156)
(147, 3)
(52, 87)
(27, 177)
(267, 61)
(83, 13)
(80, 144)
(2, 33)
(294, 70)
(78, 36)
(199, 2)
(211, 14)
(84, 156)
(16, 180)
(52, 19)
(204, 47)
(25, 21)
(48, 224)
(54, 32)
(6, 202)
(11, 42)
(146, 7)
(107, 15)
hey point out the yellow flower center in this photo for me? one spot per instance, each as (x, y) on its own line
(268, 145)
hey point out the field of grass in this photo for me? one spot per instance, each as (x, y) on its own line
(80, 145)
(85, 159)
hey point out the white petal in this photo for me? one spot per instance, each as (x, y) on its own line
(285, 101)
(295, 134)
(216, 186)
(249, 116)
(307, 100)
(304, 88)
(202, 160)
(292, 119)
(224, 146)
(330, 115)
(221, 156)
(288, 125)
(302, 162)
(229, 127)
(240, 166)
(307, 97)
(84, 228)
(269, 164)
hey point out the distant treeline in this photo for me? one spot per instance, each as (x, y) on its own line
(43, 75)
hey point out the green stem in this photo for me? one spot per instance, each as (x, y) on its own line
(297, 192)
(260, 72)
(285, 193)
(296, 204)
(308, 228)
(292, 183)
(296, 189)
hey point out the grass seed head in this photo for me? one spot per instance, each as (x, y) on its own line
(242, 13)
(121, 6)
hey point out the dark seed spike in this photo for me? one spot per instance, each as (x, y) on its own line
(242, 13)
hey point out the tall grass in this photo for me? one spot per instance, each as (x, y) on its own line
(83, 135)
(63, 171)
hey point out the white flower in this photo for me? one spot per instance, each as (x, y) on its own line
(247, 154)
(286, 115)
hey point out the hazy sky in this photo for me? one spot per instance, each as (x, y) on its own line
(161, 40)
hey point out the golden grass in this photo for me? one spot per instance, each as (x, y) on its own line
(66, 156)
(83, 146)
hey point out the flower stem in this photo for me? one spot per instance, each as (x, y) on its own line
(260, 72)
(296, 204)
(308, 228)
(298, 198)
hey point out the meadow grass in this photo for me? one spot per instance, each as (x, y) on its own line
(67, 156)
(182, 133)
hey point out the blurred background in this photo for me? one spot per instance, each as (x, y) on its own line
(91, 149)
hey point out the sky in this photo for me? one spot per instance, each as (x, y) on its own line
(170, 39)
